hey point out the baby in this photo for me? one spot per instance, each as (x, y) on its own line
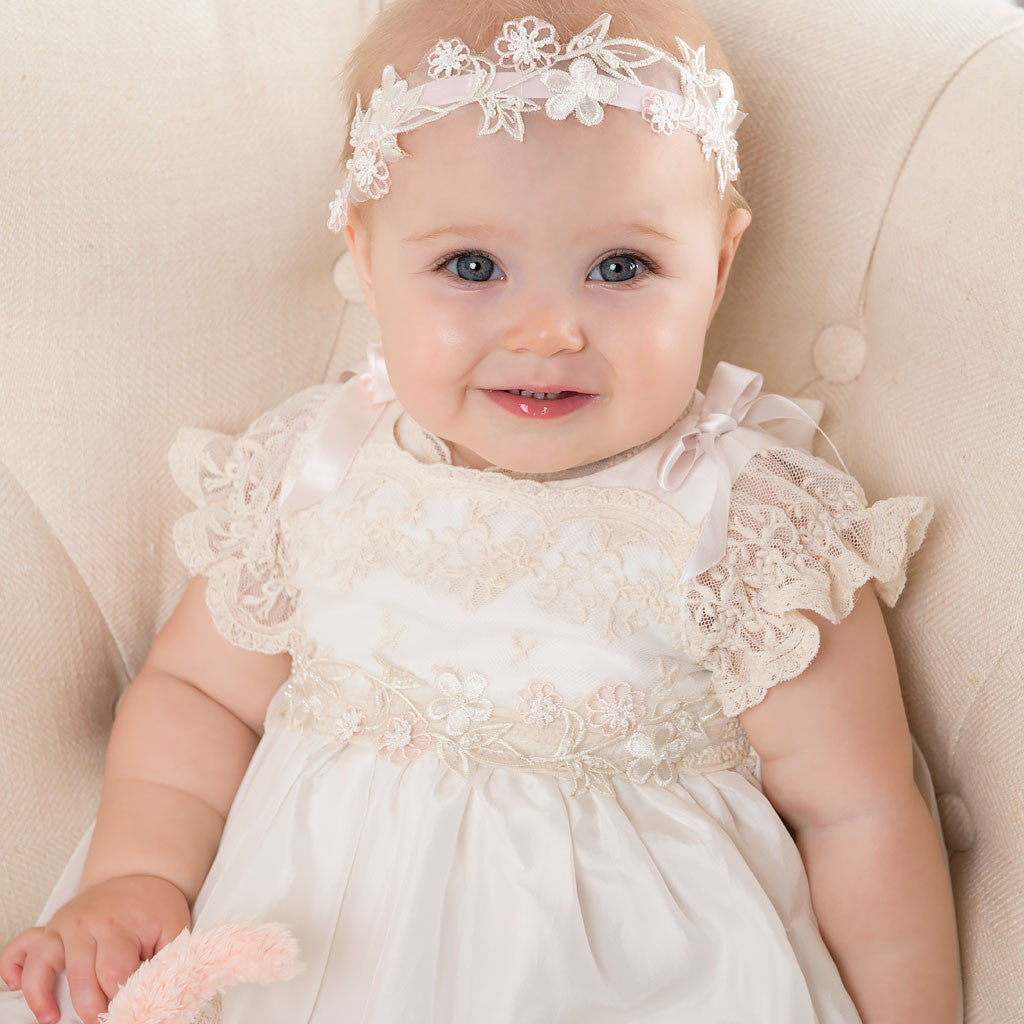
(521, 680)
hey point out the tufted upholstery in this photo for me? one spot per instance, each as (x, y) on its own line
(165, 178)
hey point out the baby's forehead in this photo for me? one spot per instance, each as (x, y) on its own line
(563, 170)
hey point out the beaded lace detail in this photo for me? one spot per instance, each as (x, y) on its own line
(645, 736)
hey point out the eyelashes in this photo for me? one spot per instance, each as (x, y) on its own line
(649, 265)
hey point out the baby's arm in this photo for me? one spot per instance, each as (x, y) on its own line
(837, 765)
(181, 741)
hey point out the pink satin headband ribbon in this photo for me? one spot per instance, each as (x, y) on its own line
(445, 90)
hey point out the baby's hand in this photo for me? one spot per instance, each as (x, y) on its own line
(98, 939)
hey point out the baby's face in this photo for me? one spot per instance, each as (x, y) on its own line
(587, 260)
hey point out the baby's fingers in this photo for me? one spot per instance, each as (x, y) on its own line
(43, 962)
(86, 995)
(12, 959)
(117, 958)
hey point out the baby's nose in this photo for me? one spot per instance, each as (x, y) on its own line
(544, 329)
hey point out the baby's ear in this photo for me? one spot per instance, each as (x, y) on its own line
(736, 223)
(358, 237)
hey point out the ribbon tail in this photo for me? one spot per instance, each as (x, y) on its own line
(346, 424)
(771, 407)
(711, 542)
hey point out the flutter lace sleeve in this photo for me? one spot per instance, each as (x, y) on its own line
(233, 536)
(801, 537)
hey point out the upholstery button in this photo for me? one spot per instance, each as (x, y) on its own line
(957, 826)
(839, 353)
(346, 280)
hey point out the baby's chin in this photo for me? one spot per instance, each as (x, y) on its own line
(546, 459)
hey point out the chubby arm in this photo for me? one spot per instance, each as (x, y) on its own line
(837, 764)
(182, 739)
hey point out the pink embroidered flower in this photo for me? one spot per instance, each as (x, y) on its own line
(370, 170)
(663, 113)
(616, 708)
(404, 737)
(526, 43)
(447, 58)
(350, 724)
(539, 703)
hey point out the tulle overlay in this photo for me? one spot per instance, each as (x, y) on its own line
(505, 780)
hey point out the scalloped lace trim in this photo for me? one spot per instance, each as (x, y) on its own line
(233, 537)
(801, 536)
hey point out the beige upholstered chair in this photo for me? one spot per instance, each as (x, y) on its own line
(164, 178)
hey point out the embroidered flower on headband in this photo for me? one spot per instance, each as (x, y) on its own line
(526, 43)
(520, 68)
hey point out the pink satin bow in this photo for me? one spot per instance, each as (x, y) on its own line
(345, 427)
(732, 400)
(375, 379)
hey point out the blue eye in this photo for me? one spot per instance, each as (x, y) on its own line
(475, 267)
(619, 266)
(472, 266)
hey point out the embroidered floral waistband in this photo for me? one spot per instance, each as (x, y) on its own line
(619, 731)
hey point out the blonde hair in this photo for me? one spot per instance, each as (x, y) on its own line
(405, 30)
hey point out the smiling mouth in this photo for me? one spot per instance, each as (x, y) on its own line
(544, 395)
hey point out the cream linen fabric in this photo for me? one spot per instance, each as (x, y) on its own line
(164, 179)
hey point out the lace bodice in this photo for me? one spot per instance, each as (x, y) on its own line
(533, 625)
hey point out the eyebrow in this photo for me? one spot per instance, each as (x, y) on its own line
(487, 229)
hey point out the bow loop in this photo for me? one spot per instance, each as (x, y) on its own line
(733, 399)
(374, 385)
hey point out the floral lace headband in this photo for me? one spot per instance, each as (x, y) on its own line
(521, 66)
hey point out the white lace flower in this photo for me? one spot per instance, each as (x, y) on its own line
(716, 138)
(463, 704)
(370, 170)
(447, 58)
(349, 723)
(655, 753)
(527, 43)
(663, 113)
(540, 704)
(581, 91)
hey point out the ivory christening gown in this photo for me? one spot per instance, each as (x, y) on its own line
(505, 780)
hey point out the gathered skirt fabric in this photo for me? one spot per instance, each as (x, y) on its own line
(417, 895)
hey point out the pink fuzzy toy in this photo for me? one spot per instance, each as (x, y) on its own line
(191, 969)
